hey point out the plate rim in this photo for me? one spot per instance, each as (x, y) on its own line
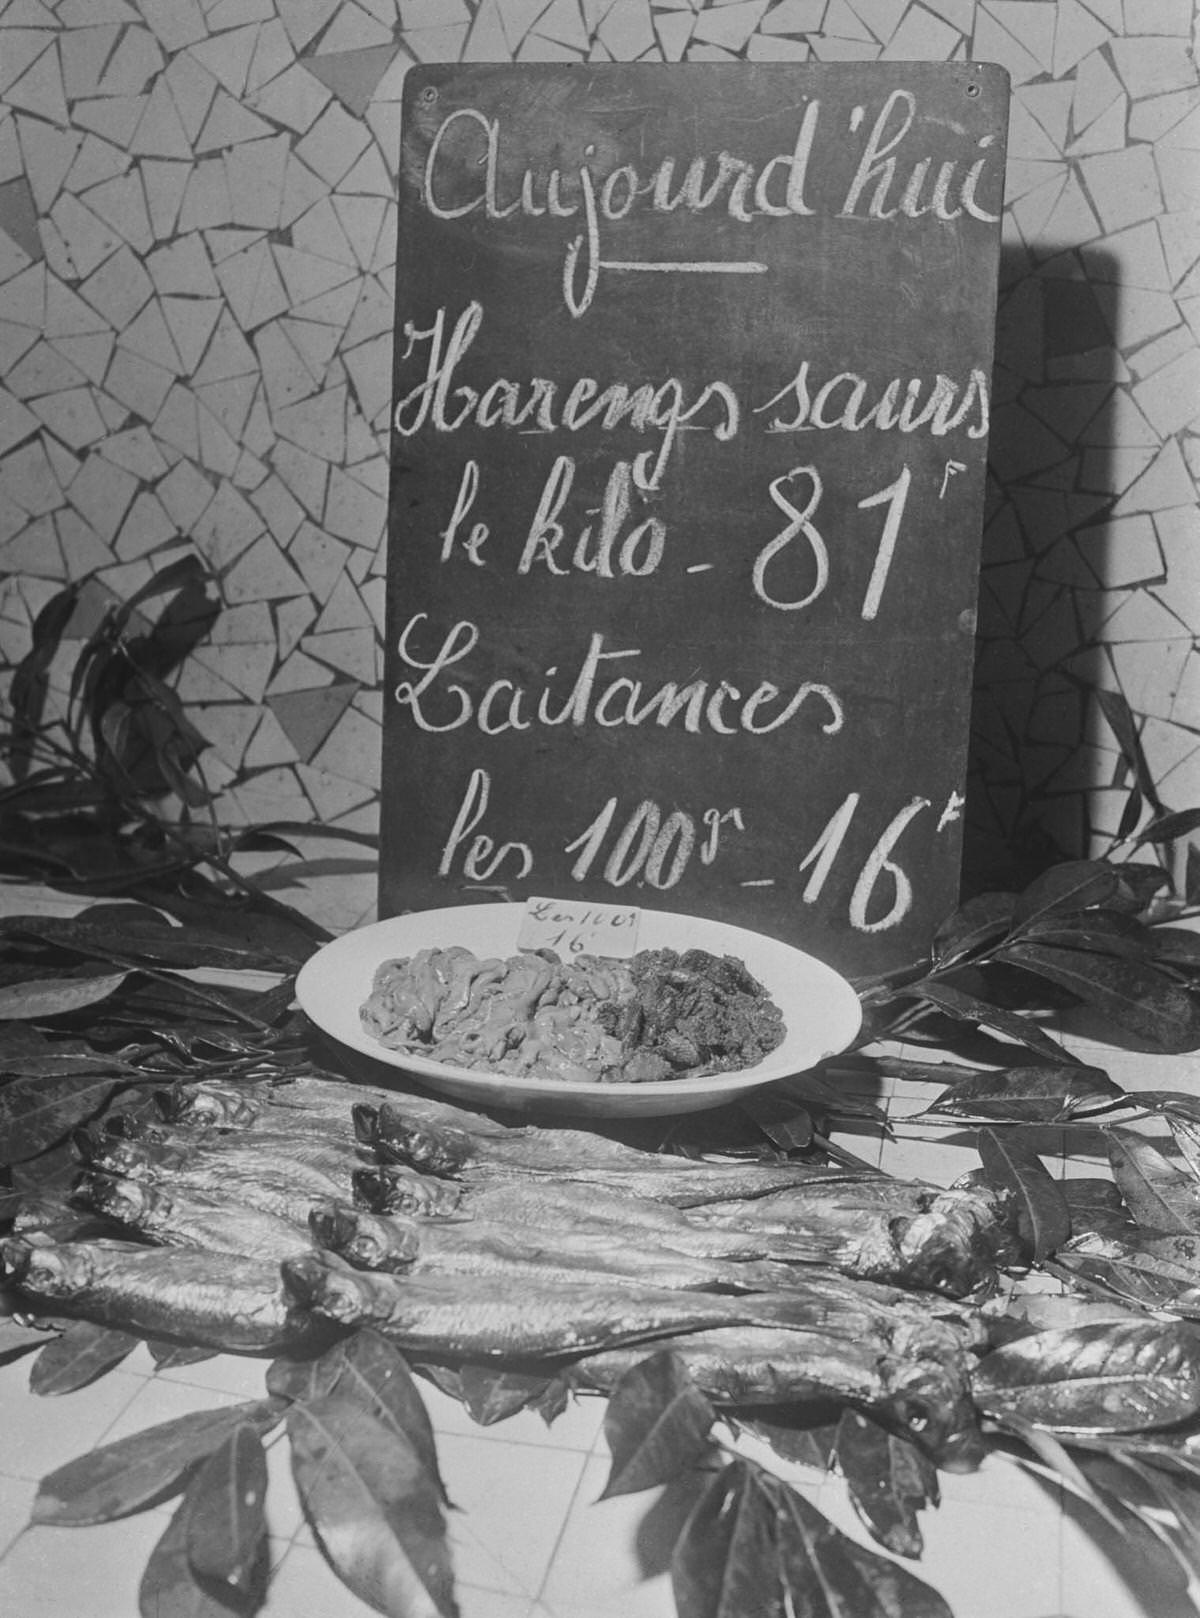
(424, 1068)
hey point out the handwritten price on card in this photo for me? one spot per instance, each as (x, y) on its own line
(571, 928)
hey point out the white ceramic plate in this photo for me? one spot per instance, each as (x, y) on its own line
(821, 1011)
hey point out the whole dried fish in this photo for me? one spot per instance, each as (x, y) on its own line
(485, 1317)
(174, 1217)
(572, 1155)
(308, 1102)
(894, 1230)
(917, 1383)
(538, 1204)
(315, 1144)
(481, 1247)
(869, 1225)
(214, 1300)
(277, 1185)
(445, 1144)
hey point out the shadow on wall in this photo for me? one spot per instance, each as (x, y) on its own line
(1049, 566)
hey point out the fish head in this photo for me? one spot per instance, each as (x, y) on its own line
(929, 1400)
(128, 1126)
(927, 1390)
(126, 1201)
(366, 1122)
(366, 1240)
(400, 1138)
(323, 1286)
(395, 1190)
(233, 1108)
(949, 1248)
(45, 1270)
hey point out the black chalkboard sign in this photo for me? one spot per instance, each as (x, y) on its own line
(691, 390)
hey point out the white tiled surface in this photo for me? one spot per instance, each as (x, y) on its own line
(530, 1536)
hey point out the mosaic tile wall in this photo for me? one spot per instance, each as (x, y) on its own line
(196, 245)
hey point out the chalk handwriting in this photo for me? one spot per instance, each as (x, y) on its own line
(878, 164)
(446, 403)
(596, 695)
(468, 171)
(649, 847)
(850, 402)
(640, 551)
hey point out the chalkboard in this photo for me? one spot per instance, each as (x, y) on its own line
(690, 411)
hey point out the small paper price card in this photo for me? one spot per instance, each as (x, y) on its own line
(575, 927)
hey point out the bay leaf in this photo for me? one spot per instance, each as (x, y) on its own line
(1094, 1203)
(37, 998)
(30, 679)
(1173, 1104)
(1168, 828)
(373, 1370)
(1131, 814)
(854, 1582)
(303, 1376)
(1055, 1455)
(142, 936)
(1185, 1132)
(979, 921)
(1120, 1277)
(1139, 998)
(374, 1509)
(20, 1336)
(36, 1113)
(1116, 709)
(1069, 885)
(1139, 883)
(971, 1008)
(170, 1586)
(724, 1563)
(1105, 932)
(1178, 1497)
(133, 1472)
(1179, 1249)
(167, 1356)
(1030, 1095)
(657, 1425)
(1177, 946)
(225, 1525)
(787, 1125)
(1043, 1216)
(1044, 1311)
(51, 1062)
(491, 1394)
(1104, 1378)
(80, 1355)
(1157, 1194)
(809, 1445)
(889, 1479)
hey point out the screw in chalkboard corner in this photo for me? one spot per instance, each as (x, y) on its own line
(972, 89)
(429, 95)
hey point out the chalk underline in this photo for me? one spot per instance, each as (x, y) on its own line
(688, 266)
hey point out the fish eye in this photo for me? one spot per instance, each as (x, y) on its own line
(916, 1415)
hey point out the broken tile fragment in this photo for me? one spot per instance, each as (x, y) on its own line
(307, 716)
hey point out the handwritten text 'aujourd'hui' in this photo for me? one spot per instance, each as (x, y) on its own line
(464, 166)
